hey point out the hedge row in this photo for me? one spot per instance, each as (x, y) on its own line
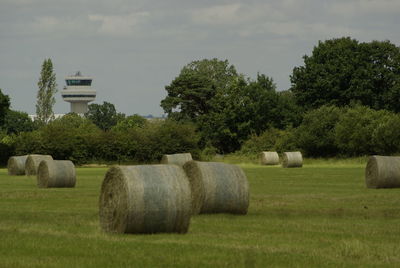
(332, 131)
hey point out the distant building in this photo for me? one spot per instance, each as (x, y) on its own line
(78, 92)
(33, 116)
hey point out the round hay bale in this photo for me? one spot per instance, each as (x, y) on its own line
(217, 188)
(292, 159)
(176, 159)
(16, 165)
(145, 199)
(33, 161)
(383, 172)
(269, 158)
(56, 173)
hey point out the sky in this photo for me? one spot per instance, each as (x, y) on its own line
(134, 48)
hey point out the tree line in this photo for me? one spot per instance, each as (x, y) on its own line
(343, 100)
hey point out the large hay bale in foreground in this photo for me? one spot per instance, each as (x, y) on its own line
(145, 199)
(217, 188)
(16, 165)
(292, 159)
(269, 158)
(176, 159)
(383, 172)
(56, 173)
(33, 161)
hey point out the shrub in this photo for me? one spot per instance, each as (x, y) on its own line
(356, 128)
(316, 134)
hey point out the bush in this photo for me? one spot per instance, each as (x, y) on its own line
(166, 137)
(271, 140)
(316, 134)
(360, 129)
(386, 135)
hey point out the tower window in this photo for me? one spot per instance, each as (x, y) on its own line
(78, 82)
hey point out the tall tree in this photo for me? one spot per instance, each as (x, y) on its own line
(225, 106)
(4, 107)
(45, 96)
(103, 115)
(343, 71)
(190, 93)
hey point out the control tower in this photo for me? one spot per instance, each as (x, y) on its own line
(78, 92)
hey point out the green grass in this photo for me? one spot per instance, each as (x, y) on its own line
(318, 216)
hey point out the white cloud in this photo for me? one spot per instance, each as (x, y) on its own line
(122, 25)
(360, 7)
(51, 24)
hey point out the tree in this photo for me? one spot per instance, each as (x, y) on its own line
(4, 106)
(45, 96)
(16, 122)
(246, 108)
(103, 115)
(129, 122)
(343, 71)
(190, 93)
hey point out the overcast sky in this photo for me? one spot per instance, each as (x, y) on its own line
(133, 48)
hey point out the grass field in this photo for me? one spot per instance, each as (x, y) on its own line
(321, 215)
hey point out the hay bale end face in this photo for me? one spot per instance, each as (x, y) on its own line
(176, 159)
(16, 165)
(269, 158)
(56, 173)
(33, 161)
(145, 199)
(382, 172)
(217, 188)
(292, 159)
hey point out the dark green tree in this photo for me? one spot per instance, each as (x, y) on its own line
(343, 71)
(103, 115)
(246, 108)
(190, 93)
(4, 107)
(16, 122)
(45, 96)
(225, 106)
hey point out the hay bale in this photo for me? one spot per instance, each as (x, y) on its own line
(292, 159)
(176, 159)
(217, 188)
(33, 161)
(269, 158)
(16, 165)
(56, 173)
(382, 172)
(145, 199)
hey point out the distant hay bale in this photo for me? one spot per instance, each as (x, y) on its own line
(217, 188)
(383, 172)
(269, 158)
(145, 199)
(292, 159)
(16, 165)
(176, 159)
(33, 161)
(56, 173)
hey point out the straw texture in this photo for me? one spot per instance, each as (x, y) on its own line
(176, 159)
(16, 165)
(145, 199)
(292, 159)
(383, 172)
(33, 161)
(269, 158)
(217, 188)
(56, 173)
